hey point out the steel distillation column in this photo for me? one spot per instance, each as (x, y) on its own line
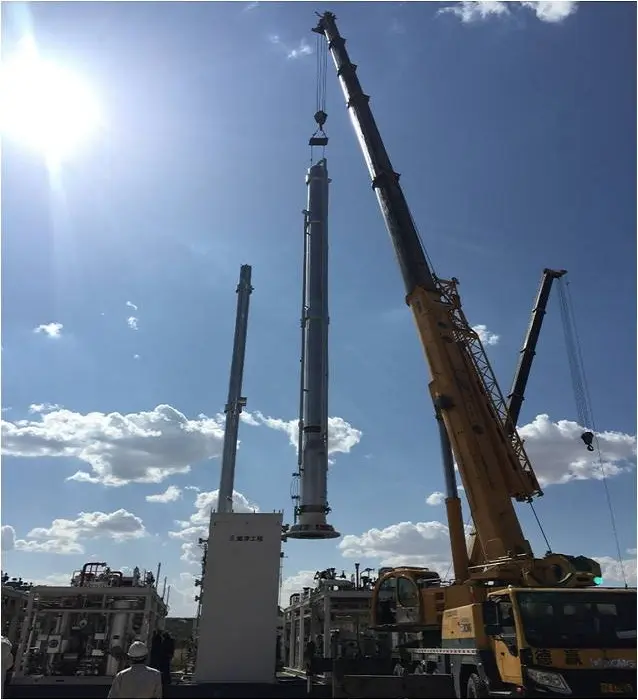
(310, 514)
(235, 400)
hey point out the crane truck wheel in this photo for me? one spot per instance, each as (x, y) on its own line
(475, 687)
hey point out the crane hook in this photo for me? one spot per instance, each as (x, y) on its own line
(588, 438)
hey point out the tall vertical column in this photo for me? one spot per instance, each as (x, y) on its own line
(236, 401)
(313, 500)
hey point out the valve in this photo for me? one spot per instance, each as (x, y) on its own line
(588, 438)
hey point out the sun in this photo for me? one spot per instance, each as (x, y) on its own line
(44, 105)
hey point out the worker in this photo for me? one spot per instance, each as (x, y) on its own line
(138, 681)
(7, 660)
(167, 650)
(399, 669)
(309, 654)
(156, 650)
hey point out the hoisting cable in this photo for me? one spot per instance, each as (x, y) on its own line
(320, 138)
(583, 402)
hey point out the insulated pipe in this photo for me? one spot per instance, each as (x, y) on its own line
(313, 501)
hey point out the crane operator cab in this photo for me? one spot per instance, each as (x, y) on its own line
(578, 643)
(398, 601)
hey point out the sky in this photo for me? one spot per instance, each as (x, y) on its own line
(513, 128)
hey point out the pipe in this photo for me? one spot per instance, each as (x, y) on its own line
(236, 401)
(86, 566)
(159, 568)
(313, 499)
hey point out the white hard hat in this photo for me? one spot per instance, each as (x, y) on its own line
(137, 650)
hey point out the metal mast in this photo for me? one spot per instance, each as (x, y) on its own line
(312, 508)
(235, 401)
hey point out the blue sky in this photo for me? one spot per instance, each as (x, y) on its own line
(514, 131)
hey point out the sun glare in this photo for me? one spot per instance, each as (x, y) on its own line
(44, 105)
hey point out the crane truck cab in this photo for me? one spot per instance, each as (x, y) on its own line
(520, 642)
(561, 642)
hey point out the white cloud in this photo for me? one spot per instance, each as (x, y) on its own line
(551, 10)
(172, 493)
(251, 6)
(52, 330)
(65, 536)
(559, 455)
(182, 599)
(136, 356)
(613, 573)
(303, 48)
(131, 305)
(545, 10)
(8, 538)
(53, 580)
(435, 499)
(197, 525)
(248, 418)
(342, 437)
(144, 447)
(295, 584)
(43, 407)
(418, 544)
(485, 336)
(132, 323)
(191, 551)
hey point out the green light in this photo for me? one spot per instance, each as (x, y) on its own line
(598, 580)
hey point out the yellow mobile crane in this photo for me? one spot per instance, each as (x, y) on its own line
(511, 623)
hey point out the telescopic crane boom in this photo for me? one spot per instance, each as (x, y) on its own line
(517, 393)
(493, 465)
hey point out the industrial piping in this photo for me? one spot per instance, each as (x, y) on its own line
(236, 401)
(310, 513)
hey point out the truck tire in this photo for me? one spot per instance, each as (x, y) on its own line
(476, 688)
